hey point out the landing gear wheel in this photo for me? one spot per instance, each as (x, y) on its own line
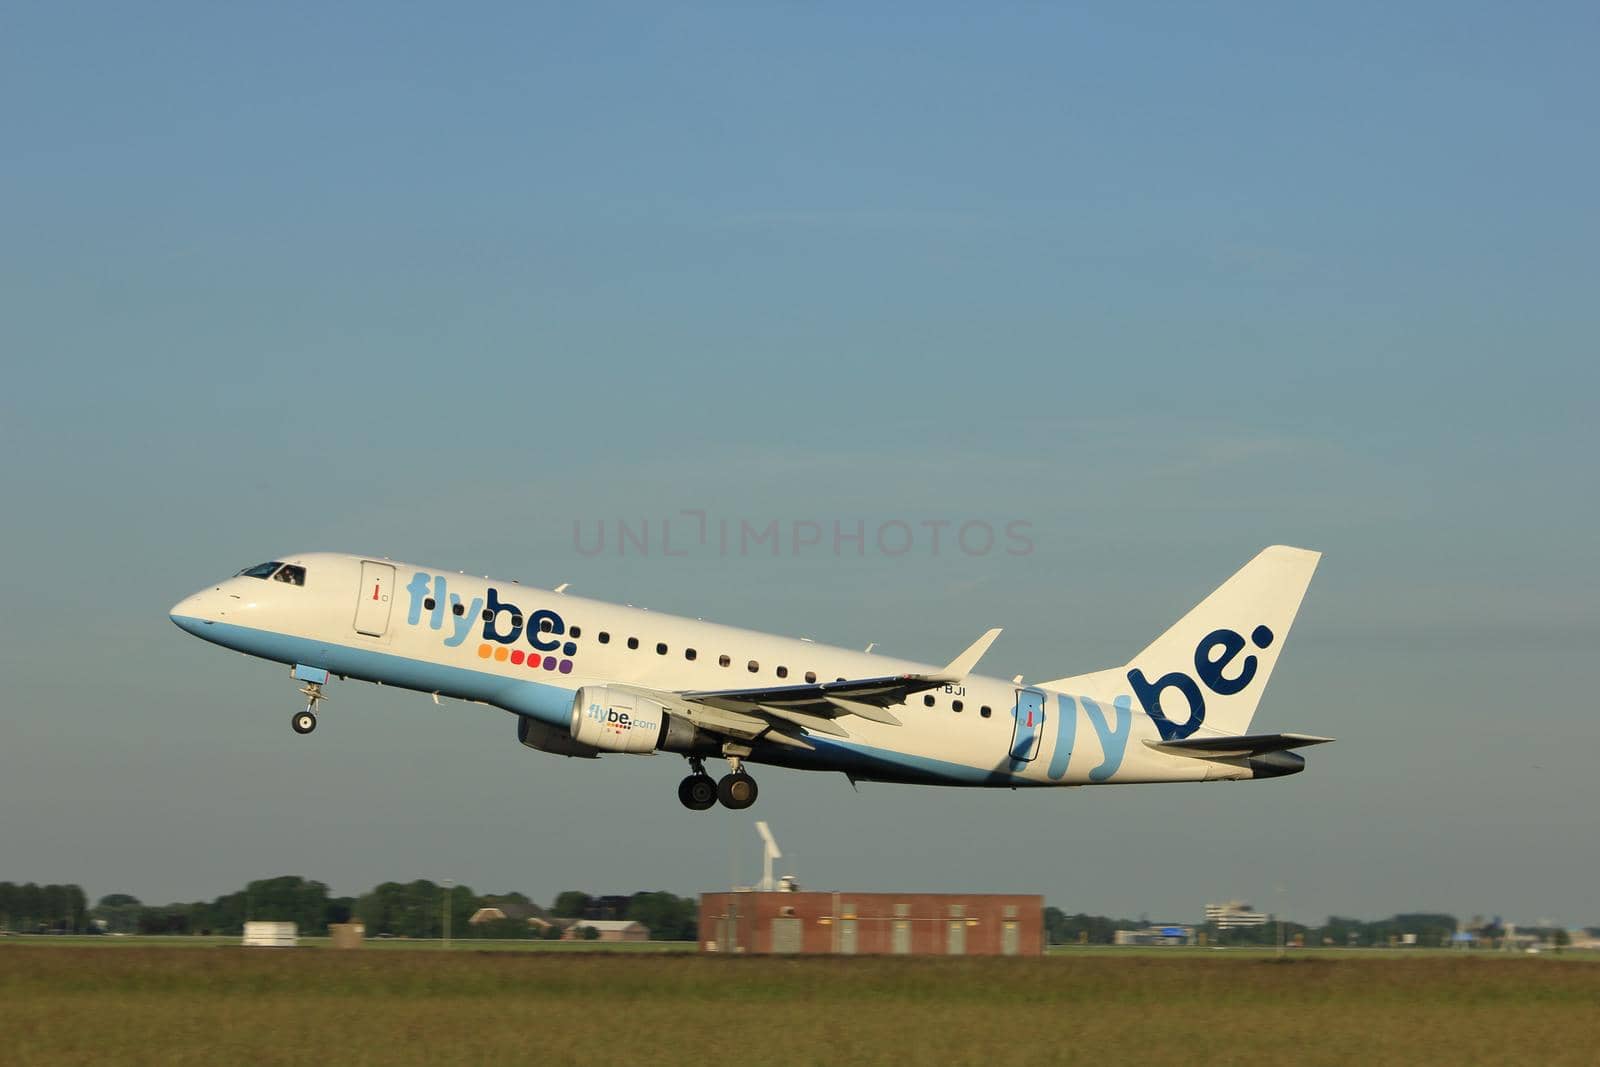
(304, 722)
(698, 792)
(737, 791)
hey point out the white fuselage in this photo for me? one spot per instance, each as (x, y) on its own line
(529, 650)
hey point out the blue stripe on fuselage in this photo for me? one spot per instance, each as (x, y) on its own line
(548, 703)
(553, 704)
(870, 764)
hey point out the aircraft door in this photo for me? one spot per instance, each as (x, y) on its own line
(1029, 715)
(374, 598)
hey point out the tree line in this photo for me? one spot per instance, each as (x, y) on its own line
(1431, 930)
(416, 909)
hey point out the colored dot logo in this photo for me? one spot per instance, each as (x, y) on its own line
(518, 657)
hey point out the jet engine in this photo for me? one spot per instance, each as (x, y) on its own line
(618, 720)
(547, 738)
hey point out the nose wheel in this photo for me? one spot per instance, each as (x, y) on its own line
(306, 721)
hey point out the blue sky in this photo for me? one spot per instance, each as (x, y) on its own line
(1167, 285)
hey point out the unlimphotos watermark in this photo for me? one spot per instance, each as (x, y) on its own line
(694, 532)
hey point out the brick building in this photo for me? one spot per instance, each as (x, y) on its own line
(887, 924)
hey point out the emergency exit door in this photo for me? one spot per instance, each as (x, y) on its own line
(373, 598)
(1029, 713)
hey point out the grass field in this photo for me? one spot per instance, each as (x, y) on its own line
(143, 1004)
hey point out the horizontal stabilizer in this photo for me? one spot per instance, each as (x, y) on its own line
(1232, 747)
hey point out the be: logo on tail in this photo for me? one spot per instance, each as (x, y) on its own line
(1212, 656)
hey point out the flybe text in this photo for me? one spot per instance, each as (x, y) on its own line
(1213, 656)
(498, 621)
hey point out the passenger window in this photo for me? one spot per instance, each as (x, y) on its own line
(811, 677)
(754, 666)
(574, 632)
(488, 616)
(688, 653)
(928, 700)
(661, 649)
(783, 672)
(428, 603)
(984, 711)
(955, 705)
(633, 642)
(724, 661)
(260, 570)
(292, 574)
(605, 638)
(458, 608)
(516, 620)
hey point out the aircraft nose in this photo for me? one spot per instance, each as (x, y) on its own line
(190, 613)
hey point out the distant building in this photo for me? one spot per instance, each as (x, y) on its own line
(887, 924)
(608, 907)
(270, 935)
(1234, 913)
(609, 930)
(1155, 935)
(486, 915)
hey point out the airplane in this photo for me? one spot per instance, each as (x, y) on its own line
(585, 678)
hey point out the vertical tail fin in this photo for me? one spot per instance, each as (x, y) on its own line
(1213, 664)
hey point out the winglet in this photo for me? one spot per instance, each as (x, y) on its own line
(962, 665)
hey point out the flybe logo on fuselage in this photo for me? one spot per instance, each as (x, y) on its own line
(1212, 656)
(504, 628)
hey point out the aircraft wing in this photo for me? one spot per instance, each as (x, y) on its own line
(785, 713)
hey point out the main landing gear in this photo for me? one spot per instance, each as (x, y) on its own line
(306, 721)
(699, 792)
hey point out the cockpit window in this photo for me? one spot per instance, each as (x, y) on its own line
(291, 573)
(260, 570)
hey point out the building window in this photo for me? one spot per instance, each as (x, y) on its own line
(605, 638)
(724, 661)
(811, 677)
(661, 649)
(633, 642)
(754, 666)
(984, 711)
(955, 705)
(783, 672)
(928, 700)
(688, 653)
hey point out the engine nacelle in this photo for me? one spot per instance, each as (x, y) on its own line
(547, 738)
(617, 720)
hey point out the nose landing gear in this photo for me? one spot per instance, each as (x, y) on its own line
(306, 721)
